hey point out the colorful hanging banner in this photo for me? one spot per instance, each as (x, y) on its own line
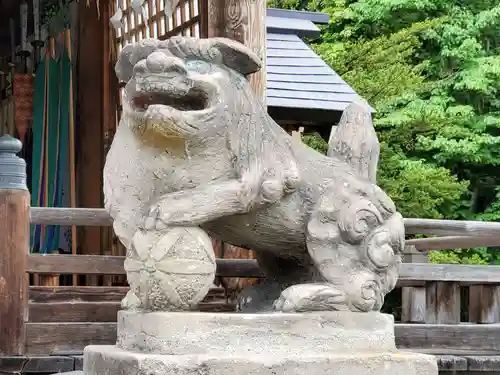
(50, 166)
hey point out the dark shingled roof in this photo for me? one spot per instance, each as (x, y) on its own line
(296, 76)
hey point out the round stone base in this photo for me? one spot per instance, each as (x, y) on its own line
(111, 360)
(274, 334)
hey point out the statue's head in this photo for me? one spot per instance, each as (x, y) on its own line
(181, 86)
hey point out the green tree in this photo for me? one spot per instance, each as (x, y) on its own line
(431, 69)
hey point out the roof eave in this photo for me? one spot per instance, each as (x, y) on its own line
(315, 17)
(300, 33)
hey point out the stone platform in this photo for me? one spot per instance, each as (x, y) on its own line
(332, 343)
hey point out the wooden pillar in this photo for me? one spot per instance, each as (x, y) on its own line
(111, 100)
(91, 86)
(14, 247)
(414, 299)
(244, 21)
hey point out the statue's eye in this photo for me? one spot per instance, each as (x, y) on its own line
(199, 66)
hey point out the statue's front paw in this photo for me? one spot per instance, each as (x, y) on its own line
(156, 219)
(311, 297)
(248, 191)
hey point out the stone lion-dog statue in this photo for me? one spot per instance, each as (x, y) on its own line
(196, 149)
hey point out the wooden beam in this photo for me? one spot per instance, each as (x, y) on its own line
(42, 294)
(91, 86)
(425, 245)
(451, 227)
(442, 302)
(244, 21)
(455, 232)
(64, 338)
(79, 264)
(411, 274)
(67, 338)
(14, 247)
(465, 274)
(91, 217)
(448, 336)
(36, 365)
(111, 102)
(484, 304)
(73, 312)
(103, 312)
(90, 294)
(113, 265)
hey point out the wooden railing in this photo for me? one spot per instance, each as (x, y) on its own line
(435, 290)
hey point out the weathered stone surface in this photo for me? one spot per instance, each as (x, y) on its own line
(483, 363)
(256, 334)
(312, 343)
(451, 363)
(115, 361)
(195, 147)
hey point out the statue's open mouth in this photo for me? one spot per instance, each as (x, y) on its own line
(181, 103)
(171, 105)
(197, 96)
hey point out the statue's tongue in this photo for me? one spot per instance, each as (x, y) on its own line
(142, 101)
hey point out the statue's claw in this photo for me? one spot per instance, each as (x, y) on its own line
(130, 301)
(156, 219)
(311, 297)
(259, 297)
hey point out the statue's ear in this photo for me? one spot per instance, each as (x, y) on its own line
(236, 56)
(131, 54)
(123, 67)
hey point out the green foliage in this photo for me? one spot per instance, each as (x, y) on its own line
(431, 69)
(420, 189)
(479, 256)
(56, 16)
(292, 4)
(316, 142)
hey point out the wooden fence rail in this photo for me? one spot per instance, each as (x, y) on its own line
(411, 274)
(425, 245)
(66, 319)
(100, 217)
(456, 234)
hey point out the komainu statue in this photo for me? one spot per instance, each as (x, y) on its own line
(196, 153)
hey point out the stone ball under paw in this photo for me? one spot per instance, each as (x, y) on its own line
(170, 269)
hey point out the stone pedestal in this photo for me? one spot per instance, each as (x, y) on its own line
(333, 343)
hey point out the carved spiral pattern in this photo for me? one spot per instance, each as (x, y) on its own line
(357, 219)
(365, 292)
(380, 254)
(366, 243)
(378, 249)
